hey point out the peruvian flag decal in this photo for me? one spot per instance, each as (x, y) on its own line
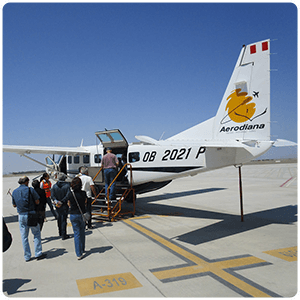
(252, 49)
(265, 46)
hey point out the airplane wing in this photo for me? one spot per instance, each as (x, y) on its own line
(284, 143)
(44, 149)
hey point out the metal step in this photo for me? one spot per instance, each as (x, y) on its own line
(99, 206)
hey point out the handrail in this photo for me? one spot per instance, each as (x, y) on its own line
(115, 210)
(98, 173)
(108, 189)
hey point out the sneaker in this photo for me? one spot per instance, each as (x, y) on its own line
(44, 255)
(30, 259)
(80, 257)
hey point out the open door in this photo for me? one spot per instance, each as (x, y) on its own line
(115, 140)
(56, 166)
(112, 138)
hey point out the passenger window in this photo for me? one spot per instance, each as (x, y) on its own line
(134, 156)
(86, 159)
(69, 159)
(76, 159)
(97, 158)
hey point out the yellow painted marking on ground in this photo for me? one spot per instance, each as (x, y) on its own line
(139, 218)
(184, 271)
(203, 266)
(242, 285)
(288, 254)
(237, 262)
(166, 243)
(107, 284)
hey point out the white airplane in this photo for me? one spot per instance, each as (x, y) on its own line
(239, 132)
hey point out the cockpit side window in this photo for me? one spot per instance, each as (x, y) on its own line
(134, 157)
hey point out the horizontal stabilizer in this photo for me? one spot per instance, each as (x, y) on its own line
(284, 143)
(147, 139)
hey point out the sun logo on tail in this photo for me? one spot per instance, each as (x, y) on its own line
(238, 107)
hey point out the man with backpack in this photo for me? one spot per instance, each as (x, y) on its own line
(58, 192)
(24, 199)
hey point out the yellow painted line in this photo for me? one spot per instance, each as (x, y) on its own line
(207, 267)
(242, 285)
(288, 254)
(107, 284)
(202, 265)
(184, 271)
(139, 218)
(237, 262)
(166, 243)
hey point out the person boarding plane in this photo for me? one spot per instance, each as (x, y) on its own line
(239, 132)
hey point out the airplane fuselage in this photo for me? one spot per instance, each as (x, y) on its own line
(153, 166)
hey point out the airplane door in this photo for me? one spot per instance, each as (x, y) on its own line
(56, 166)
(112, 138)
(115, 140)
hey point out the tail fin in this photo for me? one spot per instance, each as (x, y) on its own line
(244, 113)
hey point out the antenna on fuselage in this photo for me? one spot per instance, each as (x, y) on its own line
(161, 136)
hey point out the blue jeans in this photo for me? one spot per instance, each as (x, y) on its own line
(24, 230)
(79, 233)
(62, 220)
(109, 176)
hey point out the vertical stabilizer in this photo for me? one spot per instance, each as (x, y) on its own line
(244, 113)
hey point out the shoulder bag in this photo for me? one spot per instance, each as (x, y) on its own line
(33, 218)
(85, 216)
(7, 237)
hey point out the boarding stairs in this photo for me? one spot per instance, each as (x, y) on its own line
(106, 209)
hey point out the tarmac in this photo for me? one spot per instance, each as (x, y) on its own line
(186, 240)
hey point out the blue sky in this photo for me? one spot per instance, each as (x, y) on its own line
(70, 70)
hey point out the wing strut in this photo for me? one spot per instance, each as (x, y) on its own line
(35, 160)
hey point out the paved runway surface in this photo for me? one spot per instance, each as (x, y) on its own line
(186, 240)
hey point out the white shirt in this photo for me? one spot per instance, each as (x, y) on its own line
(87, 181)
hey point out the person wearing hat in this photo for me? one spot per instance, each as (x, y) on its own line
(24, 199)
(88, 186)
(110, 164)
(41, 207)
(58, 192)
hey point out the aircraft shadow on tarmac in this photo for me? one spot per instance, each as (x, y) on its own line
(178, 195)
(231, 224)
(228, 225)
(11, 286)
